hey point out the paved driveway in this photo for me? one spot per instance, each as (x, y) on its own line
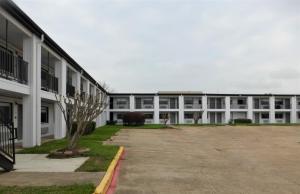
(210, 160)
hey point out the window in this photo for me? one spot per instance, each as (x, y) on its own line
(148, 101)
(120, 116)
(241, 102)
(163, 115)
(188, 101)
(298, 115)
(188, 115)
(44, 114)
(148, 116)
(278, 115)
(265, 115)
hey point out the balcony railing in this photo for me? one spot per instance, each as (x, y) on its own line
(13, 67)
(70, 90)
(193, 106)
(238, 106)
(49, 82)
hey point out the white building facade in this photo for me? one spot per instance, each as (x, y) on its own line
(33, 68)
(208, 108)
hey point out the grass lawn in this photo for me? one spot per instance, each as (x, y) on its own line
(100, 155)
(70, 189)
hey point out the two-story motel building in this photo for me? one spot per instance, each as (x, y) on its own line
(33, 68)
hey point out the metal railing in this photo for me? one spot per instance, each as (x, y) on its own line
(8, 134)
(13, 67)
(49, 82)
(70, 90)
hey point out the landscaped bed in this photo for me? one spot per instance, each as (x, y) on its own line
(70, 189)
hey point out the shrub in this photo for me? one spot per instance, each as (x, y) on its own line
(90, 127)
(242, 121)
(133, 119)
(110, 122)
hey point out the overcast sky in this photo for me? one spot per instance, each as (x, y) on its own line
(153, 45)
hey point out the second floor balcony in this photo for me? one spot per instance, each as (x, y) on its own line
(13, 67)
(49, 82)
(70, 90)
(144, 103)
(261, 103)
(216, 103)
(192, 102)
(238, 103)
(168, 103)
(119, 102)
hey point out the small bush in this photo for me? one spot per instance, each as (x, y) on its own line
(90, 128)
(242, 121)
(109, 122)
(133, 119)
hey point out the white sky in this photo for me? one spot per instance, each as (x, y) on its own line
(201, 45)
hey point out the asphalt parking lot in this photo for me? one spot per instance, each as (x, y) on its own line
(223, 159)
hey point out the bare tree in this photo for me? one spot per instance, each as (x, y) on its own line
(165, 117)
(196, 117)
(81, 109)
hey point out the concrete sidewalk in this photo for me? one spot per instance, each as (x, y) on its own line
(40, 163)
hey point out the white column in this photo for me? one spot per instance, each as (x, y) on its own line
(131, 103)
(227, 109)
(60, 124)
(250, 107)
(156, 109)
(88, 87)
(78, 80)
(204, 108)
(294, 109)
(32, 102)
(181, 109)
(272, 109)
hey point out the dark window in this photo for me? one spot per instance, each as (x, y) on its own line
(265, 115)
(44, 114)
(148, 116)
(241, 101)
(278, 115)
(188, 115)
(298, 115)
(120, 116)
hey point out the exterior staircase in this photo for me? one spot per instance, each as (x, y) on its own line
(7, 146)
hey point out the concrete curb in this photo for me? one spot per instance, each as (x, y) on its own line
(105, 183)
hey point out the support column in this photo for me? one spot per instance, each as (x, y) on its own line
(88, 87)
(32, 102)
(181, 109)
(156, 109)
(131, 103)
(250, 108)
(294, 109)
(272, 109)
(78, 80)
(60, 124)
(204, 108)
(227, 109)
